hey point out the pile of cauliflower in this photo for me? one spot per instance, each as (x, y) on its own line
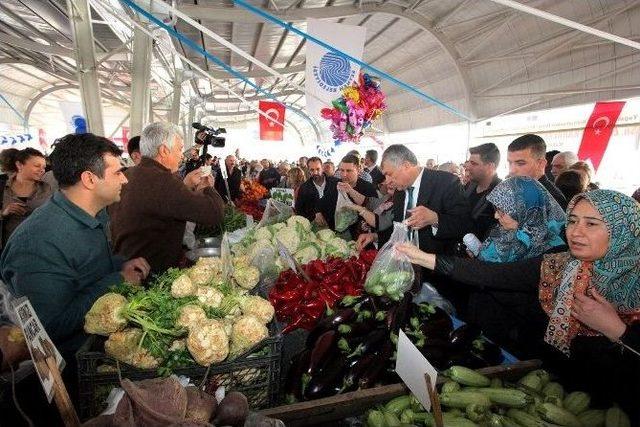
(198, 312)
(261, 248)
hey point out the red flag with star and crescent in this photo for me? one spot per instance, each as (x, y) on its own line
(270, 127)
(598, 131)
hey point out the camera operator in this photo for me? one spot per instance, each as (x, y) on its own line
(194, 161)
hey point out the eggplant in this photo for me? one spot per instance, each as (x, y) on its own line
(328, 381)
(371, 342)
(339, 317)
(378, 366)
(402, 313)
(436, 354)
(487, 351)
(293, 384)
(436, 322)
(324, 346)
(465, 358)
(357, 328)
(462, 337)
(356, 370)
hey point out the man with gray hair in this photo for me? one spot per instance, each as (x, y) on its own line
(150, 219)
(562, 162)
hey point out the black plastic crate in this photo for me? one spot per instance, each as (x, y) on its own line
(256, 374)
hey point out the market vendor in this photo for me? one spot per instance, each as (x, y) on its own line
(580, 310)
(156, 204)
(60, 257)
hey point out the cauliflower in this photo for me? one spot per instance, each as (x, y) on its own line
(326, 235)
(263, 233)
(258, 307)
(191, 315)
(240, 261)
(183, 287)
(338, 247)
(260, 248)
(124, 346)
(289, 238)
(208, 343)
(247, 331)
(209, 296)
(105, 316)
(247, 277)
(296, 220)
(200, 274)
(276, 227)
(308, 252)
(213, 263)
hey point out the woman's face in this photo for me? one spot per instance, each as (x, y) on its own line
(505, 220)
(587, 232)
(33, 168)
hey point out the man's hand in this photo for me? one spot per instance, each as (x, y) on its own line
(135, 270)
(345, 187)
(365, 240)
(320, 221)
(421, 216)
(598, 314)
(205, 182)
(193, 179)
(14, 209)
(416, 256)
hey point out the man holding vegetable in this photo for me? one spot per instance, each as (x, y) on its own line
(60, 257)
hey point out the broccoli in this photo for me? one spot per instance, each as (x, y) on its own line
(183, 286)
(257, 307)
(106, 315)
(247, 331)
(208, 343)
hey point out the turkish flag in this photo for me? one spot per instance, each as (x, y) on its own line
(270, 129)
(42, 138)
(598, 131)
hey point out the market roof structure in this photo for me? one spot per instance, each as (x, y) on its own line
(480, 57)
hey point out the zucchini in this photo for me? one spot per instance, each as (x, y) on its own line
(406, 417)
(450, 386)
(556, 400)
(390, 419)
(450, 420)
(524, 419)
(553, 414)
(375, 419)
(507, 397)
(553, 389)
(592, 418)
(466, 376)
(476, 413)
(616, 418)
(398, 404)
(462, 399)
(576, 402)
(496, 383)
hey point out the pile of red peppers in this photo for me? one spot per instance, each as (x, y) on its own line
(301, 304)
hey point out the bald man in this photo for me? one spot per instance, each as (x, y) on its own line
(234, 177)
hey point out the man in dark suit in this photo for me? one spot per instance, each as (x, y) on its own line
(481, 168)
(234, 178)
(312, 191)
(526, 157)
(370, 163)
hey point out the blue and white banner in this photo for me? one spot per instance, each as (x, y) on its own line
(14, 139)
(73, 117)
(327, 73)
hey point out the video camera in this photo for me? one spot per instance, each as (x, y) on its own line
(208, 136)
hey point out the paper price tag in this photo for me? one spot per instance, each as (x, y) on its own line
(412, 366)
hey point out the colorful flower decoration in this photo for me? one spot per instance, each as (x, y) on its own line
(352, 113)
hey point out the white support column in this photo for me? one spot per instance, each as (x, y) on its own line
(86, 66)
(188, 142)
(174, 115)
(140, 81)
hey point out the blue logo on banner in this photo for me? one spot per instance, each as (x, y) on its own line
(79, 124)
(334, 72)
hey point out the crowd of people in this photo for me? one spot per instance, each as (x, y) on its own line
(556, 274)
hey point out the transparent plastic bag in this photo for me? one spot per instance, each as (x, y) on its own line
(391, 273)
(226, 258)
(275, 212)
(431, 295)
(344, 217)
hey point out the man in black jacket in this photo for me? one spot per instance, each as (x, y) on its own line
(234, 178)
(481, 168)
(314, 189)
(526, 157)
(370, 163)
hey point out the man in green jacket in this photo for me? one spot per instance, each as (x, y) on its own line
(60, 257)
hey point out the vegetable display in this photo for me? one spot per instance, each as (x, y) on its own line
(301, 303)
(253, 190)
(184, 317)
(260, 245)
(472, 399)
(353, 346)
(232, 220)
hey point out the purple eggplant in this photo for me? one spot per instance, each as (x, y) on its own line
(356, 370)
(467, 359)
(328, 381)
(436, 323)
(370, 343)
(293, 384)
(462, 337)
(401, 314)
(324, 346)
(339, 317)
(369, 378)
(487, 351)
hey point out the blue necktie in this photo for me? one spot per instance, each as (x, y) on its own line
(409, 202)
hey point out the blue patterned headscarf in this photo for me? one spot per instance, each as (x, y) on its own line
(540, 221)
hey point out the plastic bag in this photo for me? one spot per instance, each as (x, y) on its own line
(391, 273)
(189, 237)
(225, 258)
(275, 212)
(345, 217)
(429, 294)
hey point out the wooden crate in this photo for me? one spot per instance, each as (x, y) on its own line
(335, 408)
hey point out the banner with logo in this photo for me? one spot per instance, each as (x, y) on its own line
(270, 129)
(598, 131)
(73, 117)
(327, 73)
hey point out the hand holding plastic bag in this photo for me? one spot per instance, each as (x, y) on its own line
(345, 216)
(274, 212)
(391, 274)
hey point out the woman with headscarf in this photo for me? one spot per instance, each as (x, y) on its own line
(530, 221)
(583, 312)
